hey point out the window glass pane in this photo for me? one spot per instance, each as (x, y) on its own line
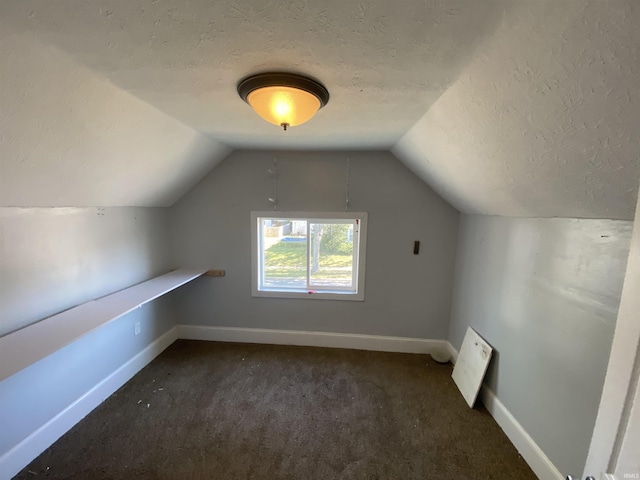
(284, 243)
(331, 255)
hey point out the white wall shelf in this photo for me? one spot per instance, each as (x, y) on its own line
(26, 346)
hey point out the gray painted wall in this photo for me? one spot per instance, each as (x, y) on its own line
(544, 293)
(54, 258)
(405, 295)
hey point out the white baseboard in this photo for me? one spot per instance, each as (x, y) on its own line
(23, 453)
(452, 352)
(526, 446)
(530, 451)
(310, 339)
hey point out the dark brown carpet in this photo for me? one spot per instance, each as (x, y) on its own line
(205, 410)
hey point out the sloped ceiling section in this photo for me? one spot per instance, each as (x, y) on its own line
(71, 138)
(504, 107)
(383, 62)
(545, 121)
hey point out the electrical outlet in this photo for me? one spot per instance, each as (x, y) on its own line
(136, 328)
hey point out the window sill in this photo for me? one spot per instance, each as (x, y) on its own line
(310, 295)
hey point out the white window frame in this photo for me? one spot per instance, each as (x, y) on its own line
(311, 217)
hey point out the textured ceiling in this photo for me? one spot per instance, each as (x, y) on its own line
(545, 121)
(505, 107)
(383, 64)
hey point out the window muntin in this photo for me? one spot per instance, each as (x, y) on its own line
(309, 255)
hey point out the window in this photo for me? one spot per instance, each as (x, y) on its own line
(308, 255)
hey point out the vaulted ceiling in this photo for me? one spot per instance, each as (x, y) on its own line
(503, 107)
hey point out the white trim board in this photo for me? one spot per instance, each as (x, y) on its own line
(26, 346)
(310, 339)
(541, 465)
(24, 452)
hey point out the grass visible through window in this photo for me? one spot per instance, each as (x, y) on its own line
(287, 259)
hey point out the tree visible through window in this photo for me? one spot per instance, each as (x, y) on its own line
(309, 255)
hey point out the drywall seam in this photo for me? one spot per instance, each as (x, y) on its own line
(537, 460)
(310, 339)
(24, 452)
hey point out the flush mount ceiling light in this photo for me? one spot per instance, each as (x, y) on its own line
(284, 99)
